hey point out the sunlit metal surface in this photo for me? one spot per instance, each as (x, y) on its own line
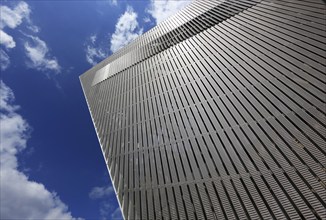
(218, 113)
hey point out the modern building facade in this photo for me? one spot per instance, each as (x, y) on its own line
(218, 113)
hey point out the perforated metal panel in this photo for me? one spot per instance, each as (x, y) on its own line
(218, 113)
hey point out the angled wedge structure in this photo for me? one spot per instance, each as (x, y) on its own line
(218, 113)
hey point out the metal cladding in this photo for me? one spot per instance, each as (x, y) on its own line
(218, 113)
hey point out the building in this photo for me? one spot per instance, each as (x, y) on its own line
(218, 113)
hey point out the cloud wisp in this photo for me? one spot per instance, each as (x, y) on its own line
(14, 17)
(20, 197)
(10, 18)
(107, 208)
(36, 50)
(6, 40)
(161, 10)
(113, 2)
(117, 215)
(4, 60)
(94, 53)
(101, 192)
(126, 29)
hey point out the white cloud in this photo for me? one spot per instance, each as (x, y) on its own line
(35, 48)
(126, 30)
(161, 10)
(14, 17)
(6, 40)
(101, 192)
(4, 60)
(38, 53)
(94, 54)
(6, 97)
(20, 197)
(13, 139)
(33, 199)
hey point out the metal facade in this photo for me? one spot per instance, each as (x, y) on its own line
(218, 113)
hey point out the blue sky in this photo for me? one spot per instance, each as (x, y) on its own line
(51, 163)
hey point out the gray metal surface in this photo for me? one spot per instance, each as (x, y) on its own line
(218, 113)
